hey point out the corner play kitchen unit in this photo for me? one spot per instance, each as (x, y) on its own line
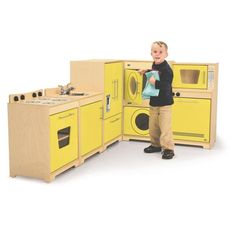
(54, 129)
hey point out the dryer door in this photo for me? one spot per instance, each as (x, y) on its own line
(136, 121)
(133, 86)
(140, 122)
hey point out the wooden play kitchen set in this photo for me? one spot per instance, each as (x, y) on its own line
(54, 129)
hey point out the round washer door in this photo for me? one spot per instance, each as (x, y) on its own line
(132, 85)
(140, 121)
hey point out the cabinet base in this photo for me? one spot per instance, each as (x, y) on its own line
(90, 154)
(194, 144)
(51, 176)
(113, 141)
(135, 138)
(177, 142)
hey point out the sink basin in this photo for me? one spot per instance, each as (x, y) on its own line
(78, 94)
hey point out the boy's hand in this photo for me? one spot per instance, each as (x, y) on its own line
(152, 80)
(141, 72)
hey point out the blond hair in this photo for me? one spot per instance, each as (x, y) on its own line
(160, 43)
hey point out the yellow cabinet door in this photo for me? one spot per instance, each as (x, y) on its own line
(133, 86)
(112, 128)
(190, 76)
(90, 127)
(191, 119)
(63, 138)
(113, 89)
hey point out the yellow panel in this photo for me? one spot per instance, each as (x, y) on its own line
(112, 128)
(90, 127)
(191, 119)
(190, 76)
(135, 121)
(113, 88)
(63, 138)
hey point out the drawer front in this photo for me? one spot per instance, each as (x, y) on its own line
(63, 138)
(190, 76)
(112, 128)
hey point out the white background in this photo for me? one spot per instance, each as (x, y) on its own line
(122, 191)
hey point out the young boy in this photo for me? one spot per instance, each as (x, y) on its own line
(160, 107)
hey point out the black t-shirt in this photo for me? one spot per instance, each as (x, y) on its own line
(165, 96)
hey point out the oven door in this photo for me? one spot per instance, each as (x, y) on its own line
(63, 138)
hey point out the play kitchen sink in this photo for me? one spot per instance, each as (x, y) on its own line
(78, 94)
(67, 90)
(45, 134)
(63, 92)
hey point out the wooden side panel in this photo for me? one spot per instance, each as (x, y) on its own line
(29, 141)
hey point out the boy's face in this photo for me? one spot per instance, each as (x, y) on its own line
(159, 53)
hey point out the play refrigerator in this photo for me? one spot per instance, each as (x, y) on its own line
(104, 76)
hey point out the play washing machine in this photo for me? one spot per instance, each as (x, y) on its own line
(136, 110)
(135, 82)
(134, 85)
(136, 123)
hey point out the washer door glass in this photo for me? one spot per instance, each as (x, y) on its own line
(133, 86)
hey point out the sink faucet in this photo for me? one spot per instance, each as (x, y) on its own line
(65, 90)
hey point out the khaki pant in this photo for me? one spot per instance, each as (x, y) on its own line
(160, 127)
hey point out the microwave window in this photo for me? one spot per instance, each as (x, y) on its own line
(189, 76)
